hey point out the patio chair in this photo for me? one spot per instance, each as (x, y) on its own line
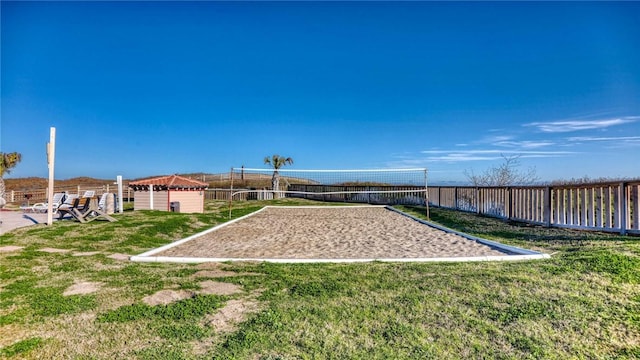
(84, 210)
(107, 204)
(78, 209)
(58, 199)
(102, 203)
(65, 208)
(70, 198)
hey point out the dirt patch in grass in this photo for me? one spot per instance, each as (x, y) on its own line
(210, 266)
(41, 270)
(197, 225)
(54, 250)
(81, 288)
(12, 333)
(79, 336)
(219, 288)
(215, 270)
(86, 253)
(164, 297)
(102, 266)
(208, 287)
(118, 256)
(233, 313)
(214, 274)
(10, 248)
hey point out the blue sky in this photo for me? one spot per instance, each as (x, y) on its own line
(149, 88)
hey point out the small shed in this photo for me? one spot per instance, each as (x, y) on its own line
(169, 193)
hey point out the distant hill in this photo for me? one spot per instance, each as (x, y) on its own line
(214, 180)
(221, 180)
(34, 183)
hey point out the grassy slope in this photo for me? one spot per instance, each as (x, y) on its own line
(583, 303)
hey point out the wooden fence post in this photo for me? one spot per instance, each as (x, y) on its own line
(455, 198)
(510, 195)
(622, 207)
(547, 207)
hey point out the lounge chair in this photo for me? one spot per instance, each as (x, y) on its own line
(83, 210)
(58, 199)
(102, 203)
(107, 203)
(78, 209)
(66, 206)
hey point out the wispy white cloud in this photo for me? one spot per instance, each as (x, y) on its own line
(454, 157)
(510, 141)
(486, 154)
(593, 138)
(493, 151)
(525, 144)
(499, 143)
(608, 142)
(577, 125)
(496, 139)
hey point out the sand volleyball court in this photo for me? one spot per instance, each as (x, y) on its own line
(330, 233)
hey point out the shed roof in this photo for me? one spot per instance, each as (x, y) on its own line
(168, 182)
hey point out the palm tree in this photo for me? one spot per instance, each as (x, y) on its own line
(7, 162)
(276, 161)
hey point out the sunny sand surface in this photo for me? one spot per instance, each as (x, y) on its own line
(329, 233)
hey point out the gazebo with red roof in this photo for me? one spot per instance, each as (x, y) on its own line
(169, 193)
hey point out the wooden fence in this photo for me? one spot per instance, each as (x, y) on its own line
(613, 207)
(40, 195)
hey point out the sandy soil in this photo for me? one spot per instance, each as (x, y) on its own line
(81, 288)
(329, 233)
(10, 248)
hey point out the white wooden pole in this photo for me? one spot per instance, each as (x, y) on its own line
(51, 157)
(151, 196)
(120, 205)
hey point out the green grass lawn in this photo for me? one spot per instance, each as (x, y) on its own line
(584, 302)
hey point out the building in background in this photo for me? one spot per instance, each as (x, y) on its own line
(169, 193)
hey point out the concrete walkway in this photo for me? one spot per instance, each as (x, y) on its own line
(17, 219)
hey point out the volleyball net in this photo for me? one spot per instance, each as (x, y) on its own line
(373, 186)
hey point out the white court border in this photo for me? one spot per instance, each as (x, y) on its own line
(520, 253)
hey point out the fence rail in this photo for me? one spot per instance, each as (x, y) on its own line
(613, 207)
(40, 195)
